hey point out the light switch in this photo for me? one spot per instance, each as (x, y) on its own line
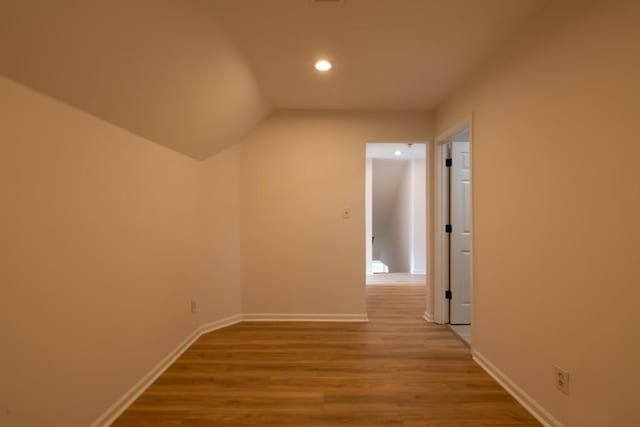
(346, 213)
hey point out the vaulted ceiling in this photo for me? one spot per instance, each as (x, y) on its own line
(196, 75)
(159, 68)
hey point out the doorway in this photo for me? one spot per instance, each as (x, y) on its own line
(396, 213)
(453, 290)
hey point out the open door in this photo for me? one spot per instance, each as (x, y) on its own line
(460, 243)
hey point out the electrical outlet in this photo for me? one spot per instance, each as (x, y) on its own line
(194, 306)
(346, 213)
(562, 380)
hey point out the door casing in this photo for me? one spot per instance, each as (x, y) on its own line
(440, 269)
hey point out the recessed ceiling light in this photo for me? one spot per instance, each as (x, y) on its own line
(323, 65)
(398, 153)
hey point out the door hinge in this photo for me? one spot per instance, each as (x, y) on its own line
(447, 294)
(448, 228)
(448, 163)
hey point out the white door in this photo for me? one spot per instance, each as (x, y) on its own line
(460, 279)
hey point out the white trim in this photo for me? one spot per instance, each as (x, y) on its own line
(441, 247)
(419, 271)
(455, 129)
(412, 213)
(428, 246)
(441, 254)
(368, 213)
(115, 410)
(294, 317)
(428, 317)
(541, 414)
(219, 324)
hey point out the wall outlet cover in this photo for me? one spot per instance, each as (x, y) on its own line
(562, 379)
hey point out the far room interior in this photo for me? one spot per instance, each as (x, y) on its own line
(396, 213)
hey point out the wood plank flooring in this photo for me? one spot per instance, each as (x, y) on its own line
(394, 371)
(396, 279)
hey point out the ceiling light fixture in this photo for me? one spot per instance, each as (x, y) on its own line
(398, 153)
(323, 65)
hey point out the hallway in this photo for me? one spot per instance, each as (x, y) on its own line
(395, 371)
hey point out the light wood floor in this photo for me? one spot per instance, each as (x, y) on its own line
(396, 279)
(395, 371)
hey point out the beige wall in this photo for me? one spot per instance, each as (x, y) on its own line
(386, 185)
(557, 209)
(397, 248)
(100, 256)
(298, 170)
(219, 288)
(419, 213)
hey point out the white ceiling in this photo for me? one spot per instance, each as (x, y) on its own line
(387, 54)
(196, 75)
(386, 150)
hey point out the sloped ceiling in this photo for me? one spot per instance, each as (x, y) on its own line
(196, 75)
(158, 68)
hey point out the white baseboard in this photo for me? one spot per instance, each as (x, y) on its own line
(115, 410)
(219, 324)
(428, 317)
(418, 271)
(287, 317)
(541, 414)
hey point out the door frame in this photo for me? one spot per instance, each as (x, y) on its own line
(440, 268)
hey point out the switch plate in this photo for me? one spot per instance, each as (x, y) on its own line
(194, 306)
(346, 213)
(562, 380)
